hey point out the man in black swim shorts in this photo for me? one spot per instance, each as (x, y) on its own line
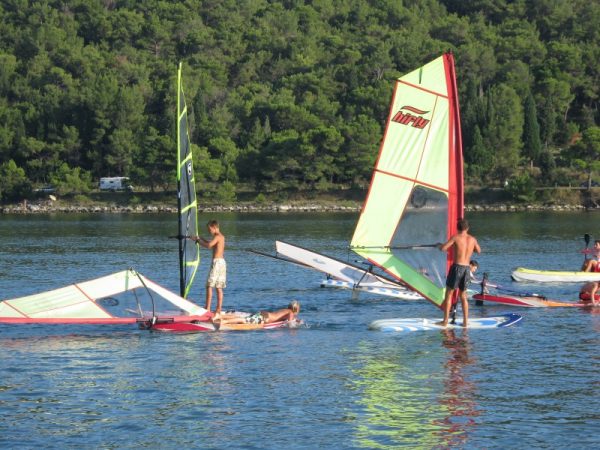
(459, 277)
(463, 246)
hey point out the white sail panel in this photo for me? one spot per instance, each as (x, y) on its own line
(122, 297)
(333, 267)
(64, 302)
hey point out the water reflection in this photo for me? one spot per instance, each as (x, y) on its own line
(414, 397)
(123, 381)
(459, 393)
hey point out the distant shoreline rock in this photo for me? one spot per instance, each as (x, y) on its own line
(45, 208)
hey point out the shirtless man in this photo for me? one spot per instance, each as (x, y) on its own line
(459, 275)
(288, 314)
(593, 265)
(217, 277)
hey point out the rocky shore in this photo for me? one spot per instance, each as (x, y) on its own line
(51, 208)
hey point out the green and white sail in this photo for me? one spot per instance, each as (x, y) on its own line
(416, 192)
(189, 252)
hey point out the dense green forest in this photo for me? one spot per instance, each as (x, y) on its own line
(288, 95)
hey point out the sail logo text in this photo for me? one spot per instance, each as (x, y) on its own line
(405, 117)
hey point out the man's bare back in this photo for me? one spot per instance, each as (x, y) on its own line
(464, 245)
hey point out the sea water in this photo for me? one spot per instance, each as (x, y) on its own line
(330, 384)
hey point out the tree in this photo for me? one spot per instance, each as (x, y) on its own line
(588, 150)
(532, 146)
(14, 185)
(504, 130)
(479, 158)
(69, 180)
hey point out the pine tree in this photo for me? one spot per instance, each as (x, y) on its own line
(532, 145)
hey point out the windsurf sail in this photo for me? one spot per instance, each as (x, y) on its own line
(189, 252)
(342, 274)
(416, 192)
(334, 267)
(120, 298)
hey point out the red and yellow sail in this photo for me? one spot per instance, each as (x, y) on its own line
(416, 192)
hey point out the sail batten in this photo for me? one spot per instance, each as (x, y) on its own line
(416, 193)
(189, 253)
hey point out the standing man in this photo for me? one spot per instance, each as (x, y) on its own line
(459, 275)
(217, 277)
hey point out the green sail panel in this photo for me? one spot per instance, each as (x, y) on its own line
(416, 192)
(189, 252)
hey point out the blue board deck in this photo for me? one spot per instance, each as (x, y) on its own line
(419, 324)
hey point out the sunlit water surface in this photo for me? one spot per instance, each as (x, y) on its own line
(332, 383)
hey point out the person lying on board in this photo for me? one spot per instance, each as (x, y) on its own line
(589, 293)
(263, 317)
(592, 265)
(459, 274)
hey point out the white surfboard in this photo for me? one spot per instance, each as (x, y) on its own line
(419, 324)
(553, 276)
(397, 292)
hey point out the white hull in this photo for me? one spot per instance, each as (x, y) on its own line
(553, 276)
(403, 294)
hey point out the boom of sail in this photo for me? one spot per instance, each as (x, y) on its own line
(189, 252)
(119, 298)
(416, 192)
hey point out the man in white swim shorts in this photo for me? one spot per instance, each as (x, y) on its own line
(217, 277)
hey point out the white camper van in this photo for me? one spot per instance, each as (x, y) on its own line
(115, 184)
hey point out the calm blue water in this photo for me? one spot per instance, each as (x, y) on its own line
(332, 384)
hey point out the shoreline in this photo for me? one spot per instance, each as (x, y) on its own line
(49, 208)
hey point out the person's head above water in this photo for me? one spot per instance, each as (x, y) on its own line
(294, 306)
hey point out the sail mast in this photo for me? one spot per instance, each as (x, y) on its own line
(180, 238)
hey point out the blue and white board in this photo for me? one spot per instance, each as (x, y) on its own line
(419, 324)
(397, 292)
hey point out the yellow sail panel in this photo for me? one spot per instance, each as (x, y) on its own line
(430, 77)
(379, 218)
(416, 190)
(416, 140)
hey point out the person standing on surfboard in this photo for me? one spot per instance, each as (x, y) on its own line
(217, 277)
(460, 272)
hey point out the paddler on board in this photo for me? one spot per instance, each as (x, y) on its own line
(217, 277)
(593, 265)
(459, 274)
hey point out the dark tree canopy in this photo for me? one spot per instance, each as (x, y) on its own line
(285, 94)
